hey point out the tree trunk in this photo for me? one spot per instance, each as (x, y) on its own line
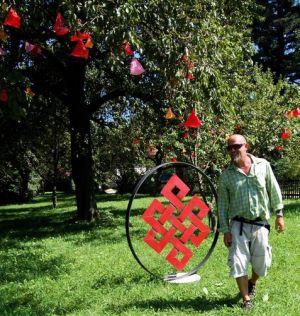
(81, 148)
(24, 188)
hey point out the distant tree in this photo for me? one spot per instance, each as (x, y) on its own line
(276, 34)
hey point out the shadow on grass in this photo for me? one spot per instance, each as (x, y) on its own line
(198, 304)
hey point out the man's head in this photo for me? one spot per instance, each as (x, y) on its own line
(237, 148)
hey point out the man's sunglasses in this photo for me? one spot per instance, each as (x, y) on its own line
(234, 146)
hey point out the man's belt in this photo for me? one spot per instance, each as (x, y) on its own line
(255, 221)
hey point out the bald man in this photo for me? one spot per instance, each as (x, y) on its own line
(248, 192)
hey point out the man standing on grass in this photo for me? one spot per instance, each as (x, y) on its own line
(248, 191)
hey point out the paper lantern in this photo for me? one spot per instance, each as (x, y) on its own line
(296, 112)
(127, 49)
(170, 115)
(285, 134)
(136, 141)
(3, 95)
(2, 52)
(12, 19)
(59, 28)
(80, 51)
(3, 35)
(174, 159)
(136, 68)
(192, 120)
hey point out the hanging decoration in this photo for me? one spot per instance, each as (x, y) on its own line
(3, 35)
(80, 36)
(80, 50)
(136, 68)
(151, 151)
(169, 115)
(285, 134)
(296, 112)
(33, 49)
(12, 19)
(193, 120)
(135, 141)
(279, 148)
(3, 95)
(29, 92)
(2, 52)
(59, 28)
(174, 159)
(189, 75)
(186, 135)
(127, 48)
(89, 43)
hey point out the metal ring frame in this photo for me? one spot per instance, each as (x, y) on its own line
(135, 191)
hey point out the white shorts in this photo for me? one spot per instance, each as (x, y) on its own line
(250, 247)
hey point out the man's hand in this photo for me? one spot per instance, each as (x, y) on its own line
(227, 239)
(279, 224)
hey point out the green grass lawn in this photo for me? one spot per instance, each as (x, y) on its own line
(52, 267)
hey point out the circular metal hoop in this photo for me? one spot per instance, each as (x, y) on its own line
(171, 277)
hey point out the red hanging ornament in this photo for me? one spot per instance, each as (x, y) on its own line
(279, 148)
(127, 49)
(3, 95)
(136, 141)
(59, 28)
(80, 36)
(189, 75)
(80, 51)
(12, 19)
(285, 134)
(192, 120)
(174, 159)
(186, 135)
(296, 112)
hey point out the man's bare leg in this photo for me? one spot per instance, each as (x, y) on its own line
(242, 283)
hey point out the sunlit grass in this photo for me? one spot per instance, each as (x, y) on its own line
(50, 266)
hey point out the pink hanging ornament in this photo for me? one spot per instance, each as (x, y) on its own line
(136, 68)
(12, 19)
(33, 49)
(2, 52)
(59, 28)
(192, 120)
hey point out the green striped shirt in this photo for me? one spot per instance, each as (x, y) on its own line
(249, 196)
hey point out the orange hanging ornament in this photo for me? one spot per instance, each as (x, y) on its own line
(89, 43)
(192, 120)
(80, 50)
(3, 35)
(12, 19)
(59, 28)
(170, 115)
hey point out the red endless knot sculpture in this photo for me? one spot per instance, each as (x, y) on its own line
(167, 221)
